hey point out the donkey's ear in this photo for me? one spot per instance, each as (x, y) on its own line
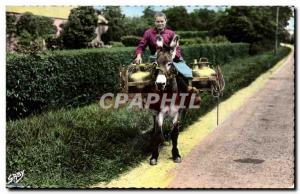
(159, 41)
(174, 41)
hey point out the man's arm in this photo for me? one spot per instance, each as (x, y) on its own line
(141, 48)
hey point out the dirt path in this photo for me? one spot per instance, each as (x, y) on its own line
(253, 148)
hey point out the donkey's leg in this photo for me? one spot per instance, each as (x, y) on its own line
(182, 116)
(154, 125)
(174, 135)
(174, 85)
(157, 139)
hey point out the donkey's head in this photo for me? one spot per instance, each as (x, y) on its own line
(165, 55)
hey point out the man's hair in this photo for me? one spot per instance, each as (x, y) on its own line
(160, 14)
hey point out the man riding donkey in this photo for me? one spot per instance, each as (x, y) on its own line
(159, 39)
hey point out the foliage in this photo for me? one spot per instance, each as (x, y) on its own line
(77, 77)
(216, 53)
(80, 28)
(178, 18)
(192, 34)
(203, 19)
(130, 40)
(251, 24)
(61, 78)
(54, 43)
(136, 26)
(11, 21)
(116, 44)
(32, 30)
(11, 30)
(115, 24)
(193, 41)
(148, 15)
(32, 26)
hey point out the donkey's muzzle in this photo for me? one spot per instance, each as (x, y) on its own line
(161, 82)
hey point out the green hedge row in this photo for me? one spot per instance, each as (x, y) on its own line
(130, 40)
(116, 44)
(216, 53)
(77, 77)
(81, 146)
(192, 34)
(193, 41)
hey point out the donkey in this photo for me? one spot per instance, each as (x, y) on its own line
(170, 86)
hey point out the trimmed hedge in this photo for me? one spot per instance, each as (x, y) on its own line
(61, 78)
(216, 53)
(78, 77)
(130, 40)
(81, 146)
(116, 44)
(192, 34)
(193, 41)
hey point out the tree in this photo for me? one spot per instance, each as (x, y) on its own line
(11, 24)
(32, 30)
(178, 18)
(115, 24)
(36, 26)
(135, 26)
(285, 13)
(202, 19)
(251, 24)
(10, 30)
(148, 15)
(80, 28)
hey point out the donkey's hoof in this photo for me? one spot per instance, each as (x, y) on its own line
(177, 159)
(153, 161)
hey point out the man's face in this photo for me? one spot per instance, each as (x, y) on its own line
(160, 23)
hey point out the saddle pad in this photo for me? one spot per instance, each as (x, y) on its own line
(182, 68)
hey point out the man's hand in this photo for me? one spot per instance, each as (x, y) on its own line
(138, 59)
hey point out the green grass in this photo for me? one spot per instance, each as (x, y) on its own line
(75, 147)
(82, 146)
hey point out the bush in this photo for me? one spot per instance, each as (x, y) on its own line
(193, 41)
(218, 39)
(78, 77)
(54, 43)
(130, 40)
(31, 31)
(61, 78)
(192, 34)
(260, 47)
(80, 28)
(116, 44)
(116, 23)
(77, 147)
(216, 53)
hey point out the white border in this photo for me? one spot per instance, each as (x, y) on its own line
(101, 2)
